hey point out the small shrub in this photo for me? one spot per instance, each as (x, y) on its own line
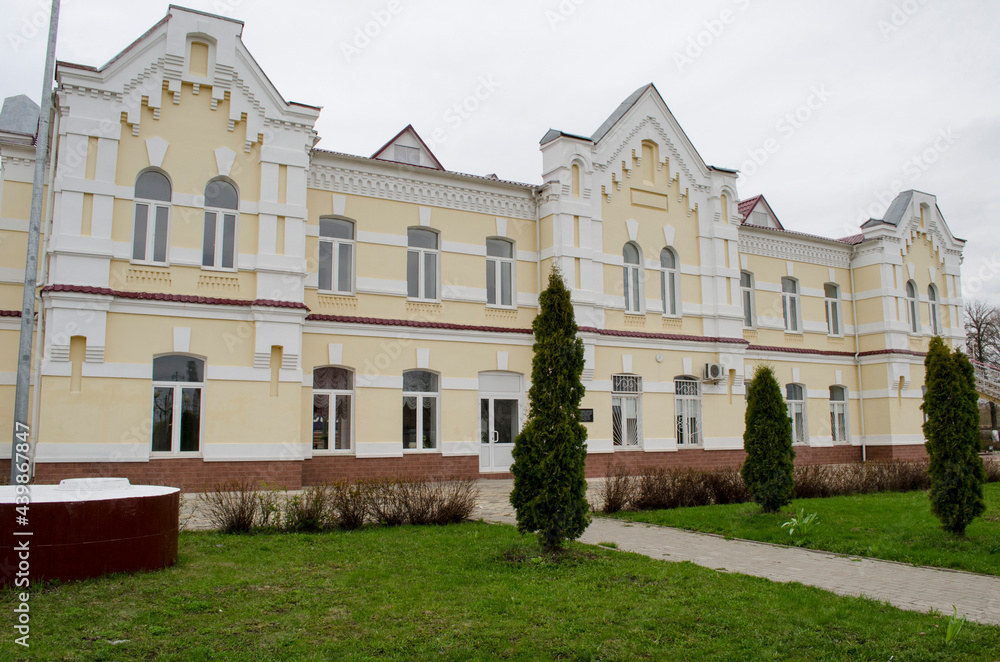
(726, 486)
(458, 502)
(269, 501)
(232, 506)
(349, 504)
(616, 491)
(386, 502)
(421, 499)
(309, 511)
(992, 467)
(799, 525)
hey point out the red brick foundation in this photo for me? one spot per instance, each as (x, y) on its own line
(911, 452)
(195, 475)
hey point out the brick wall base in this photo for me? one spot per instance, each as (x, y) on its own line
(195, 475)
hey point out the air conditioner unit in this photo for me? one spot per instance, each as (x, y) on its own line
(714, 372)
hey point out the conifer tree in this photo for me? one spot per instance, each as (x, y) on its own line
(769, 469)
(952, 432)
(550, 487)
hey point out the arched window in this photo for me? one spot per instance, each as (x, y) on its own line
(795, 397)
(833, 323)
(670, 283)
(790, 304)
(687, 410)
(420, 410)
(746, 294)
(633, 277)
(151, 228)
(177, 383)
(500, 272)
(422, 264)
(932, 302)
(333, 397)
(626, 410)
(838, 413)
(221, 205)
(336, 255)
(912, 315)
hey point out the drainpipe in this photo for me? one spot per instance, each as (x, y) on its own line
(46, 229)
(538, 242)
(857, 357)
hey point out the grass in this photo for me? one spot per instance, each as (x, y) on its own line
(892, 526)
(462, 592)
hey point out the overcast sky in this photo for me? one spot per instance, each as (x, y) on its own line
(826, 108)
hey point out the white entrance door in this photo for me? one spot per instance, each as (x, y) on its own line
(499, 419)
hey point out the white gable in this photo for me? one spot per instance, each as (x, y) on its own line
(407, 147)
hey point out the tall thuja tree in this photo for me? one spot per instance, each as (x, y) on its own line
(550, 487)
(952, 432)
(769, 469)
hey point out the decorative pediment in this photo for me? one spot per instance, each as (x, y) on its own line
(407, 147)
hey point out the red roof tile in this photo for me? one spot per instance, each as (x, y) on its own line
(746, 206)
(180, 298)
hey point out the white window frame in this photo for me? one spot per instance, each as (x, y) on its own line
(177, 413)
(495, 264)
(798, 407)
(422, 254)
(670, 284)
(838, 412)
(220, 214)
(834, 311)
(791, 305)
(912, 312)
(747, 301)
(152, 206)
(626, 389)
(632, 273)
(684, 405)
(334, 394)
(421, 396)
(335, 243)
(933, 308)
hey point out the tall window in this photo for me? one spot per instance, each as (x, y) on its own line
(838, 413)
(422, 264)
(746, 293)
(932, 302)
(912, 316)
(632, 270)
(687, 410)
(151, 229)
(625, 410)
(833, 323)
(177, 384)
(221, 204)
(499, 272)
(420, 410)
(333, 395)
(336, 255)
(669, 282)
(795, 398)
(790, 304)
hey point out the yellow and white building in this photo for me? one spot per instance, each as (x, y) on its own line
(221, 299)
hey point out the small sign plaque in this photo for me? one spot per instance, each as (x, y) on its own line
(587, 415)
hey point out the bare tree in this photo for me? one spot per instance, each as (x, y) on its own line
(982, 337)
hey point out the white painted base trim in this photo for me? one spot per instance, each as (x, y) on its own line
(275, 452)
(460, 448)
(90, 452)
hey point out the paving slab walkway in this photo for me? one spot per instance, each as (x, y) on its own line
(907, 587)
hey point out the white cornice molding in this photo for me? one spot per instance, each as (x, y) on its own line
(400, 187)
(798, 249)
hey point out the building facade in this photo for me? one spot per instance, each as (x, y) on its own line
(221, 299)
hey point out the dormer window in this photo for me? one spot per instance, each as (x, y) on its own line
(405, 154)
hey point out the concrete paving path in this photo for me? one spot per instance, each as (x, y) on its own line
(904, 586)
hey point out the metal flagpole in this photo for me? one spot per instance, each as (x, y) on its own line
(19, 469)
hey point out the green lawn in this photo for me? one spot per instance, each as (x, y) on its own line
(473, 591)
(893, 526)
